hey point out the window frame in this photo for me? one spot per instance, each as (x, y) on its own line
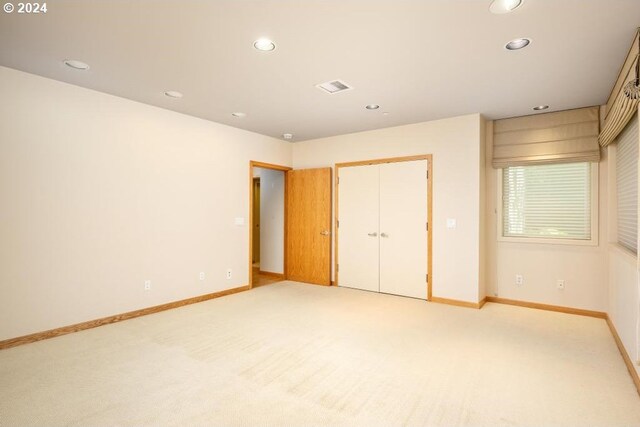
(593, 241)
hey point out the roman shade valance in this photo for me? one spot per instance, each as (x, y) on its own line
(621, 107)
(559, 137)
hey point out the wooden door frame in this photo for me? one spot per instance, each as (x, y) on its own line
(429, 159)
(284, 169)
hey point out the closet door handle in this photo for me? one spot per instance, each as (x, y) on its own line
(372, 234)
(325, 232)
(384, 235)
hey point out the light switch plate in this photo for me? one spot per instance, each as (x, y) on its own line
(239, 220)
(451, 223)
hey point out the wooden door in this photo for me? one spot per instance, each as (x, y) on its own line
(358, 253)
(403, 228)
(256, 220)
(309, 226)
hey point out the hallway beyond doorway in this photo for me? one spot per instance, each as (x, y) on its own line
(261, 279)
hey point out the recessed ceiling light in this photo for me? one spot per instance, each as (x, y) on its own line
(504, 6)
(287, 135)
(264, 45)
(541, 107)
(75, 64)
(517, 44)
(239, 115)
(372, 107)
(173, 94)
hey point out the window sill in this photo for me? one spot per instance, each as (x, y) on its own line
(543, 241)
(624, 252)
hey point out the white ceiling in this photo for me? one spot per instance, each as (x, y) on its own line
(420, 60)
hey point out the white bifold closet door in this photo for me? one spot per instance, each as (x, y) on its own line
(359, 218)
(403, 228)
(382, 231)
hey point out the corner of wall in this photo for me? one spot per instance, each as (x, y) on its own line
(490, 225)
(482, 279)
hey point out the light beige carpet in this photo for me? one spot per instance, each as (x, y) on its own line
(300, 355)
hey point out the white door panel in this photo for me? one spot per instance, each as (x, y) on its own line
(403, 218)
(358, 251)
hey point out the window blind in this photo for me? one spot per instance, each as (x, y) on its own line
(547, 201)
(627, 185)
(560, 137)
(620, 108)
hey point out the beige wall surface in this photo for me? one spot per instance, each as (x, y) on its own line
(583, 268)
(455, 145)
(623, 299)
(99, 194)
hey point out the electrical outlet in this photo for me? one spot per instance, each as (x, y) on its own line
(228, 274)
(519, 279)
(201, 275)
(560, 284)
(147, 285)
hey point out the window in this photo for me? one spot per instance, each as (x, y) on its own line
(627, 185)
(552, 201)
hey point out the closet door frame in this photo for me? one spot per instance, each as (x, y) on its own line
(429, 196)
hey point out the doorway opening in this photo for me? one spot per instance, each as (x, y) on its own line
(267, 221)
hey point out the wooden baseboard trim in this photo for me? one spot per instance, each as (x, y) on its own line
(548, 307)
(457, 302)
(625, 356)
(52, 333)
(482, 302)
(271, 274)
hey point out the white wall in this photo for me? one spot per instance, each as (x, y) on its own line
(271, 220)
(623, 299)
(100, 193)
(455, 145)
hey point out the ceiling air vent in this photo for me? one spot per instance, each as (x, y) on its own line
(334, 86)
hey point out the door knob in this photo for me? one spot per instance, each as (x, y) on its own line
(384, 235)
(372, 234)
(325, 232)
